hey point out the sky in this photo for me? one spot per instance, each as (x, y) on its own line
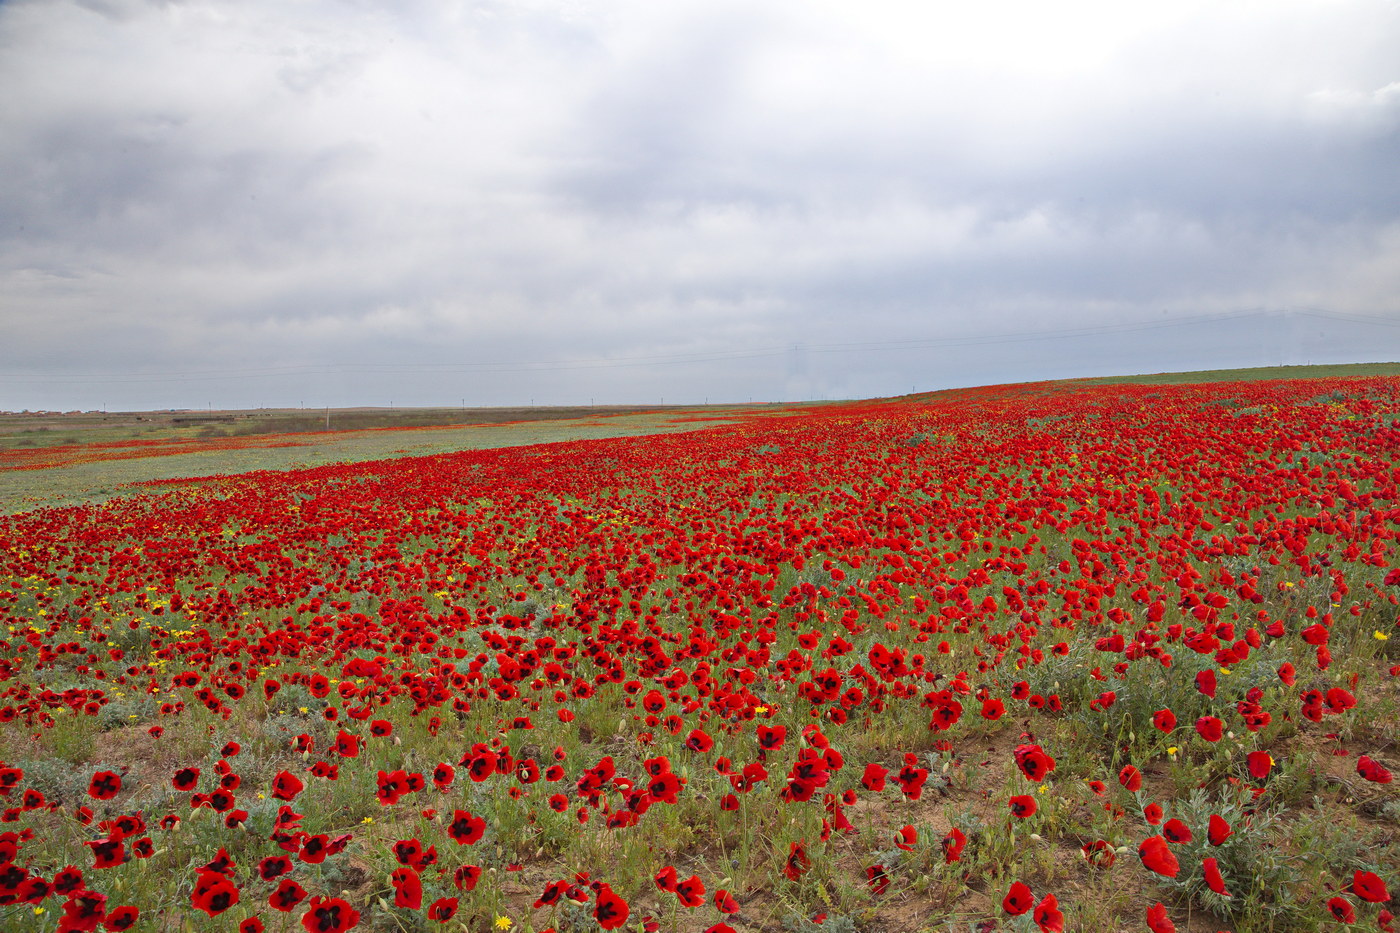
(309, 202)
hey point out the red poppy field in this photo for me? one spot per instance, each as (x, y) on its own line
(1038, 657)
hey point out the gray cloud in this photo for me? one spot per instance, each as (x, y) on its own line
(347, 202)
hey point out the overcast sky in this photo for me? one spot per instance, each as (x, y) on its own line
(267, 202)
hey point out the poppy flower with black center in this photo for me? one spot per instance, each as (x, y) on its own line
(691, 892)
(1210, 728)
(185, 779)
(1034, 763)
(771, 738)
(408, 888)
(1176, 831)
(466, 877)
(876, 878)
(725, 902)
(408, 851)
(381, 728)
(443, 909)
(1372, 770)
(906, 837)
(666, 878)
(1158, 857)
(329, 915)
(1152, 813)
(1022, 805)
(286, 786)
(1369, 887)
(1218, 830)
(1164, 720)
(465, 828)
(107, 853)
(1157, 919)
(1047, 915)
(1131, 778)
(699, 741)
(1099, 853)
(609, 909)
(314, 849)
(213, 893)
(104, 785)
(1341, 908)
(797, 862)
(123, 918)
(83, 911)
(1018, 900)
(287, 896)
(873, 779)
(552, 893)
(911, 781)
(273, 867)
(68, 880)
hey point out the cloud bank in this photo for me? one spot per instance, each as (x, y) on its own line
(267, 203)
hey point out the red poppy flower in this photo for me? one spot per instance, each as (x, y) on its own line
(725, 902)
(213, 893)
(329, 915)
(1210, 728)
(1176, 831)
(1023, 805)
(1152, 813)
(465, 828)
(609, 909)
(1341, 909)
(873, 779)
(1205, 683)
(443, 909)
(1018, 899)
(906, 837)
(83, 911)
(286, 786)
(797, 861)
(1164, 720)
(123, 918)
(665, 879)
(1157, 857)
(104, 785)
(1210, 867)
(287, 896)
(1157, 919)
(408, 888)
(1259, 764)
(185, 779)
(1033, 761)
(1131, 778)
(877, 879)
(953, 844)
(466, 877)
(1217, 831)
(1372, 770)
(107, 853)
(1047, 915)
(691, 892)
(1369, 887)
(1099, 853)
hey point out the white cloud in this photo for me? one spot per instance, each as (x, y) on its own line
(316, 183)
